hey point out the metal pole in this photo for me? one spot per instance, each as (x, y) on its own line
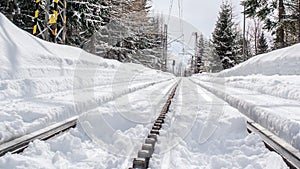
(47, 8)
(54, 23)
(244, 35)
(165, 47)
(65, 22)
(36, 15)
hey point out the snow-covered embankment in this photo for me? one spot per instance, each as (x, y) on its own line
(266, 88)
(42, 83)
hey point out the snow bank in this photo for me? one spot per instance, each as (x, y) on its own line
(42, 83)
(266, 88)
(277, 115)
(106, 137)
(287, 87)
(284, 61)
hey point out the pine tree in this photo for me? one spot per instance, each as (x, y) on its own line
(201, 49)
(212, 61)
(238, 46)
(223, 37)
(262, 44)
(20, 12)
(84, 18)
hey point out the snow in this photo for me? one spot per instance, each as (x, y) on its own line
(43, 83)
(180, 144)
(264, 88)
(208, 135)
(284, 61)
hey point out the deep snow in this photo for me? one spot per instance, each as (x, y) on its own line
(42, 83)
(266, 88)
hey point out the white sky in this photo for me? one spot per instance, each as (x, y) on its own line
(198, 16)
(202, 14)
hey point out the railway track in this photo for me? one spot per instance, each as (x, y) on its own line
(19, 144)
(289, 154)
(147, 149)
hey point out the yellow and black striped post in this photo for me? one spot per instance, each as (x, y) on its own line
(36, 15)
(65, 22)
(53, 20)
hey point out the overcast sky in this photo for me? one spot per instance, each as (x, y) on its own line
(198, 16)
(202, 14)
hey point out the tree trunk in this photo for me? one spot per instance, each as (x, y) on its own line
(298, 21)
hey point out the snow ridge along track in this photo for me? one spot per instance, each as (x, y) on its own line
(144, 155)
(19, 144)
(289, 154)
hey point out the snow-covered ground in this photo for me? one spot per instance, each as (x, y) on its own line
(205, 134)
(203, 131)
(265, 88)
(43, 83)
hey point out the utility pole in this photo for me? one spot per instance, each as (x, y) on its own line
(196, 53)
(165, 47)
(244, 36)
(46, 21)
(53, 27)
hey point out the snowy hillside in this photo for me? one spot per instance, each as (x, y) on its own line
(42, 83)
(266, 88)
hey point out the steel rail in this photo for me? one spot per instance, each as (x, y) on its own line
(19, 144)
(289, 154)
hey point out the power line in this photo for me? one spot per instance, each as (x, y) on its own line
(170, 10)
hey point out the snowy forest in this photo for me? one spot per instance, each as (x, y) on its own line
(115, 29)
(270, 25)
(126, 31)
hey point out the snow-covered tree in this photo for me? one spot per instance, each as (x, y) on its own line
(201, 49)
(20, 12)
(238, 46)
(131, 35)
(280, 17)
(223, 37)
(211, 61)
(262, 44)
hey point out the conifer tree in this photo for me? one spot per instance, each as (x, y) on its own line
(20, 12)
(223, 37)
(201, 49)
(262, 44)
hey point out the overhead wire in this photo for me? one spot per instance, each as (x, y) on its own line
(170, 10)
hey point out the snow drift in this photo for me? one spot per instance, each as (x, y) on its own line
(42, 83)
(284, 61)
(266, 88)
